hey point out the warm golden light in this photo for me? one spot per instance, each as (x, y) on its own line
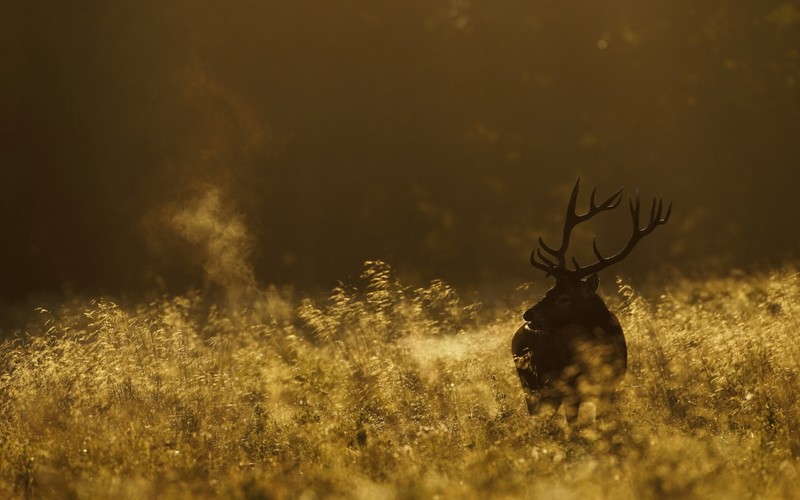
(385, 389)
(432, 134)
(256, 249)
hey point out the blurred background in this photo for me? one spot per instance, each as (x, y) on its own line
(161, 145)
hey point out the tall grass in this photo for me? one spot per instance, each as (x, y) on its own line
(387, 391)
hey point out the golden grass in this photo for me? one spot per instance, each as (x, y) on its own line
(392, 392)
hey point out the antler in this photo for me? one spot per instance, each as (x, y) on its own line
(655, 219)
(572, 219)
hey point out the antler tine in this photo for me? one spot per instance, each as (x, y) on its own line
(573, 199)
(596, 250)
(653, 215)
(538, 265)
(655, 219)
(546, 247)
(556, 263)
(610, 203)
(547, 265)
(545, 259)
(570, 220)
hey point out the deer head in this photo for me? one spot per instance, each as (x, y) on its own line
(572, 298)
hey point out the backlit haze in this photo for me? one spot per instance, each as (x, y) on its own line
(163, 145)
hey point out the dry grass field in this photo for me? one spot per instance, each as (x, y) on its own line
(386, 391)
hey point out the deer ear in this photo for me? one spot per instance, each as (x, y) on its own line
(593, 282)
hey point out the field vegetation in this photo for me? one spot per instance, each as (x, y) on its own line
(381, 390)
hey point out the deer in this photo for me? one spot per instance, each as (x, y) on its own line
(571, 348)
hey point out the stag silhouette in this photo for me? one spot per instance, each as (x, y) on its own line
(571, 348)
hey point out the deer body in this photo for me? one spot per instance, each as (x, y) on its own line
(571, 348)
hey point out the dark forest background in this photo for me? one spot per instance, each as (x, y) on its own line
(440, 135)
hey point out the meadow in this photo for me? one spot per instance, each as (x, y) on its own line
(382, 390)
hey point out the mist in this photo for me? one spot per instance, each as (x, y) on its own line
(172, 145)
(222, 244)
